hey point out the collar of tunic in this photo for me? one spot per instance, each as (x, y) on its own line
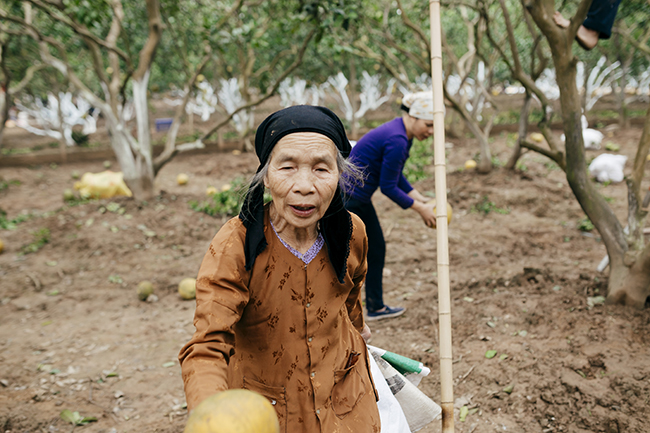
(311, 252)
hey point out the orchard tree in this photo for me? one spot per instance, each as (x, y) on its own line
(629, 256)
(98, 29)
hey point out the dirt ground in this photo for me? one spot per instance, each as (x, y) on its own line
(74, 335)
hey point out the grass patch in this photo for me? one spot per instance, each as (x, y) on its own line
(485, 206)
(41, 237)
(10, 224)
(225, 202)
(5, 184)
(585, 225)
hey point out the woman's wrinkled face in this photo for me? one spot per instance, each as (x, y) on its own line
(422, 129)
(302, 178)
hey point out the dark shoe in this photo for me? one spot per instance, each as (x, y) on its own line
(385, 313)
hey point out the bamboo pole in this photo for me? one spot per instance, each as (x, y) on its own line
(444, 302)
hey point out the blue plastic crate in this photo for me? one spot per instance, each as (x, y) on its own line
(163, 124)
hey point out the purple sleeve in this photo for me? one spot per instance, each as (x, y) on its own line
(404, 184)
(391, 178)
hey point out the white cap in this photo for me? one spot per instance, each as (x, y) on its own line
(420, 104)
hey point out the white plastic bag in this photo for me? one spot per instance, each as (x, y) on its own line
(391, 415)
(418, 409)
(608, 167)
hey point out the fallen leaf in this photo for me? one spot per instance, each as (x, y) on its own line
(596, 300)
(463, 413)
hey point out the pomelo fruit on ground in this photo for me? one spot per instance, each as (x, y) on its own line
(182, 179)
(145, 288)
(233, 411)
(469, 164)
(210, 190)
(68, 194)
(187, 288)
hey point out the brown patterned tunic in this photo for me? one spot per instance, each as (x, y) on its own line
(284, 329)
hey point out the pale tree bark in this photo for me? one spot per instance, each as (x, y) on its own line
(629, 258)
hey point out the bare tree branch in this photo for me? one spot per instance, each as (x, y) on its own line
(558, 157)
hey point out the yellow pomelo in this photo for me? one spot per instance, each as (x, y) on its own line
(233, 411)
(449, 210)
(145, 288)
(2, 246)
(537, 137)
(210, 190)
(469, 164)
(226, 187)
(187, 288)
(182, 179)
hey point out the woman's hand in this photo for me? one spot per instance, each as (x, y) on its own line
(426, 212)
(365, 333)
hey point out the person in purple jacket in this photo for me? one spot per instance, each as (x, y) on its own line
(381, 155)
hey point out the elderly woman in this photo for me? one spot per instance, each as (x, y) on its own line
(381, 154)
(278, 293)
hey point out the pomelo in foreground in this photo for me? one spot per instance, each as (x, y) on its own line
(187, 288)
(233, 411)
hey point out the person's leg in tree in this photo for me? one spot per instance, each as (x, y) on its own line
(598, 25)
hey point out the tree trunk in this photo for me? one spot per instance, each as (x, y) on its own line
(485, 163)
(141, 185)
(523, 130)
(138, 173)
(630, 285)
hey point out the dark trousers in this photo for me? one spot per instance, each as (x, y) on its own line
(601, 17)
(376, 252)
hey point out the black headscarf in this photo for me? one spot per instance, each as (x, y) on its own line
(336, 224)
